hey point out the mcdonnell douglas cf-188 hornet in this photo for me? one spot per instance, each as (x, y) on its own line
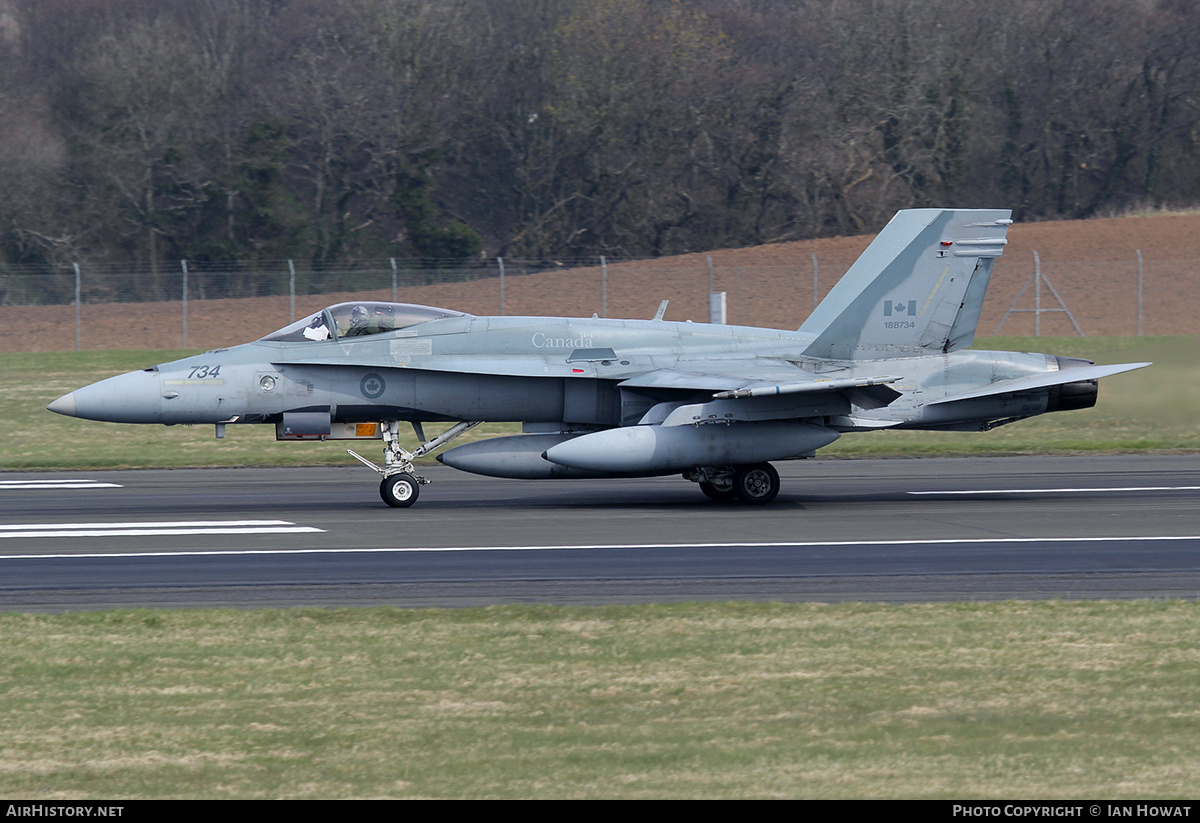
(633, 398)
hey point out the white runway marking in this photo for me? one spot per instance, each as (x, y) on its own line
(611, 546)
(10, 485)
(1069, 491)
(184, 527)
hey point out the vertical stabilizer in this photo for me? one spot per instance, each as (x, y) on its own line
(917, 289)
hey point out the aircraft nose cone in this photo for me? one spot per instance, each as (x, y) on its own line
(126, 398)
(64, 405)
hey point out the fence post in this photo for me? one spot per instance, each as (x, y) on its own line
(1139, 325)
(78, 317)
(500, 260)
(1037, 295)
(183, 263)
(292, 291)
(815, 289)
(603, 287)
(393, 280)
(708, 257)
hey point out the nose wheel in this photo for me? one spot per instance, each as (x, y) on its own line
(400, 490)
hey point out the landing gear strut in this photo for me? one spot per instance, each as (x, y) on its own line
(400, 486)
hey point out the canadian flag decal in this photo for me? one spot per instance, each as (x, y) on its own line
(891, 307)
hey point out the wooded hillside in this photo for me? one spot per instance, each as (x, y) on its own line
(160, 130)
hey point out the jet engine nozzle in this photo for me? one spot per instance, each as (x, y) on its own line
(1072, 396)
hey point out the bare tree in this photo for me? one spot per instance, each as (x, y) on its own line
(209, 129)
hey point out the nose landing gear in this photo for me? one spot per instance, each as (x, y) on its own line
(400, 486)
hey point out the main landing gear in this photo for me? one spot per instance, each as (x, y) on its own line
(400, 487)
(754, 485)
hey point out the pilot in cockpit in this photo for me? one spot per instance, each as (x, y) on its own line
(372, 318)
(359, 320)
(383, 319)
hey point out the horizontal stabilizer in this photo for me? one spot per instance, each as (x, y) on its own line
(1042, 381)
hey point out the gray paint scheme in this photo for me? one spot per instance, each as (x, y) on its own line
(603, 397)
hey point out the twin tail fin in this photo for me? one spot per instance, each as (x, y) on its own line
(918, 289)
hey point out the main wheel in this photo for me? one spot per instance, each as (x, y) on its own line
(713, 492)
(399, 490)
(757, 484)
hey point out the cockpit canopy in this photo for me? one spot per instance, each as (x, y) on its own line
(358, 319)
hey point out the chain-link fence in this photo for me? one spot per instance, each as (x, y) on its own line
(209, 304)
(192, 280)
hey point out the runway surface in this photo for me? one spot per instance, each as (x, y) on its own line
(880, 530)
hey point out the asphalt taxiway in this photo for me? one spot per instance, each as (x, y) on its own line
(880, 530)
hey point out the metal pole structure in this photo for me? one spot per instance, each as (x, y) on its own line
(1037, 279)
(1139, 254)
(816, 294)
(1063, 306)
(183, 263)
(500, 260)
(1037, 295)
(603, 287)
(292, 291)
(393, 280)
(710, 282)
(78, 317)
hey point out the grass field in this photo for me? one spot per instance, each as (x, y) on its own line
(1011, 700)
(1152, 409)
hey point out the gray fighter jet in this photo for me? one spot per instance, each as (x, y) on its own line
(633, 398)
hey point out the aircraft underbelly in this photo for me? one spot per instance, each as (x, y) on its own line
(1023, 404)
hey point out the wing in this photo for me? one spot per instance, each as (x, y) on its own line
(777, 392)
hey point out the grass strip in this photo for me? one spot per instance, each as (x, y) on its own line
(1046, 700)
